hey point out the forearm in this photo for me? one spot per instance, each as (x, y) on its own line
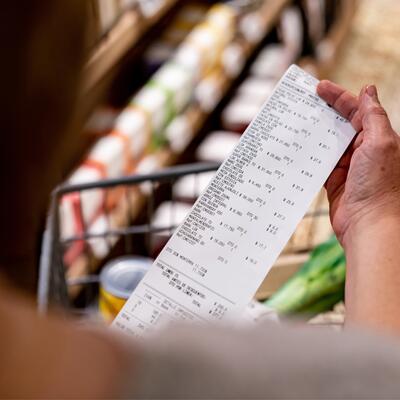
(49, 358)
(373, 274)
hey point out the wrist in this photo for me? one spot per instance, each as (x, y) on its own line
(375, 224)
(372, 247)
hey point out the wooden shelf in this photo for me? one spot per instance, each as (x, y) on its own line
(126, 34)
(269, 14)
(271, 10)
(130, 29)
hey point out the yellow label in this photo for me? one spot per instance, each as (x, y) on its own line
(109, 305)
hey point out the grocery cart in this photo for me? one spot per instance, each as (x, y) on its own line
(77, 293)
(146, 190)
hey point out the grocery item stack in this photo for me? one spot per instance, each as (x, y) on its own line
(159, 115)
(269, 66)
(192, 65)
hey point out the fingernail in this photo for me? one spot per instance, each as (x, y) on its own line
(371, 91)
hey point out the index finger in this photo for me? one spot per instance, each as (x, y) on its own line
(343, 101)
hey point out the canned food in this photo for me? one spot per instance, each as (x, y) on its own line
(118, 280)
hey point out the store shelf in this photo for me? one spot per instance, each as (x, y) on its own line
(268, 16)
(127, 32)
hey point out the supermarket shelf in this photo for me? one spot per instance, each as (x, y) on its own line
(269, 15)
(127, 32)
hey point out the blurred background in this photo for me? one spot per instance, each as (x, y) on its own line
(168, 89)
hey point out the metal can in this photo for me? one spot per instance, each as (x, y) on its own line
(118, 280)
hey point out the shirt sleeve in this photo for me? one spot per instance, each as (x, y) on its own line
(268, 361)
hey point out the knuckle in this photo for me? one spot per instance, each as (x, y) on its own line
(387, 146)
(342, 101)
(352, 114)
(377, 109)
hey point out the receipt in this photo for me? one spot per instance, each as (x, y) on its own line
(215, 261)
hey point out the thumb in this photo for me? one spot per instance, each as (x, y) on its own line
(374, 118)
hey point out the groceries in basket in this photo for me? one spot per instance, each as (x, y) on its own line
(118, 279)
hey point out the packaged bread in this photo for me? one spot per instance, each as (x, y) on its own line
(165, 95)
(156, 102)
(292, 32)
(179, 81)
(252, 27)
(217, 146)
(78, 210)
(234, 58)
(134, 123)
(166, 218)
(180, 132)
(101, 247)
(224, 17)
(272, 61)
(315, 11)
(209, 90)
(149, 8)
(257, 88)
(203, 47)
(239, 112)
(189, 187)
(110, 155)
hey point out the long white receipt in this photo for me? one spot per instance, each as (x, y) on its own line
(217, 258)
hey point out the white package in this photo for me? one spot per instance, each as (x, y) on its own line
(190, 186)
(272, 61)
(217, 146)
(133, 125)
(108, 151)
(89, 202)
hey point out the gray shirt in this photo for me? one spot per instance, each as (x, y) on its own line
(267, 361)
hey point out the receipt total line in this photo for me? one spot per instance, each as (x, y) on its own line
(174, 301)
(198, 283)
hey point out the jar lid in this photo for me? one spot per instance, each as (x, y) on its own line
(120, 277)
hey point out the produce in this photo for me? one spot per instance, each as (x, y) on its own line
(317, 286)
(324, 304)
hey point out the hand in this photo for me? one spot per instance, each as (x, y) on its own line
(365, 185)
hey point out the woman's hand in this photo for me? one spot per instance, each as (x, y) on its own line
(365, 184)
(364, 196)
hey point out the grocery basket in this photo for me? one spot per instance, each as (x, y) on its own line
(55, 285)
